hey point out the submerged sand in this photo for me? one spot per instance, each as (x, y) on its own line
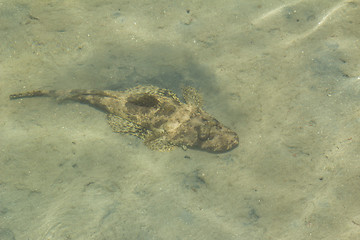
(284, 74)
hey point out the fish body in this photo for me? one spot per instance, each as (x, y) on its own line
(155, 115)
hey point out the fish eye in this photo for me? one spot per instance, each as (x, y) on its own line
(203, 132)
(204, 119)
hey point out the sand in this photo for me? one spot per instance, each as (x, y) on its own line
(284, 75)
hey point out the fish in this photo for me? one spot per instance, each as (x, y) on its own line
(155, 115)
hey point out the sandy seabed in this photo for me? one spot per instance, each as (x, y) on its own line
(285, 75)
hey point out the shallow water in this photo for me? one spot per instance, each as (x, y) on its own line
(284, 74)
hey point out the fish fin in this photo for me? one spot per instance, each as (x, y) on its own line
(152, 140)
(192, 96)
(152, 90)
(159, 144)
(121, 125)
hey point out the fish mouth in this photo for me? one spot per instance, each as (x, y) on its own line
(221, 144)
(234, 142)
(230, 143)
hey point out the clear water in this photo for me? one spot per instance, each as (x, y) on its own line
(284, 74)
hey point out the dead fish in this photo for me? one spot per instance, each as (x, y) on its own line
(155, 115)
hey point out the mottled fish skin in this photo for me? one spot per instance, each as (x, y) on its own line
(155, 115)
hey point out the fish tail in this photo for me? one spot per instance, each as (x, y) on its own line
(76, 94)
(35, 93)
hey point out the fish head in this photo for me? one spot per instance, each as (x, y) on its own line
(213, 136)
